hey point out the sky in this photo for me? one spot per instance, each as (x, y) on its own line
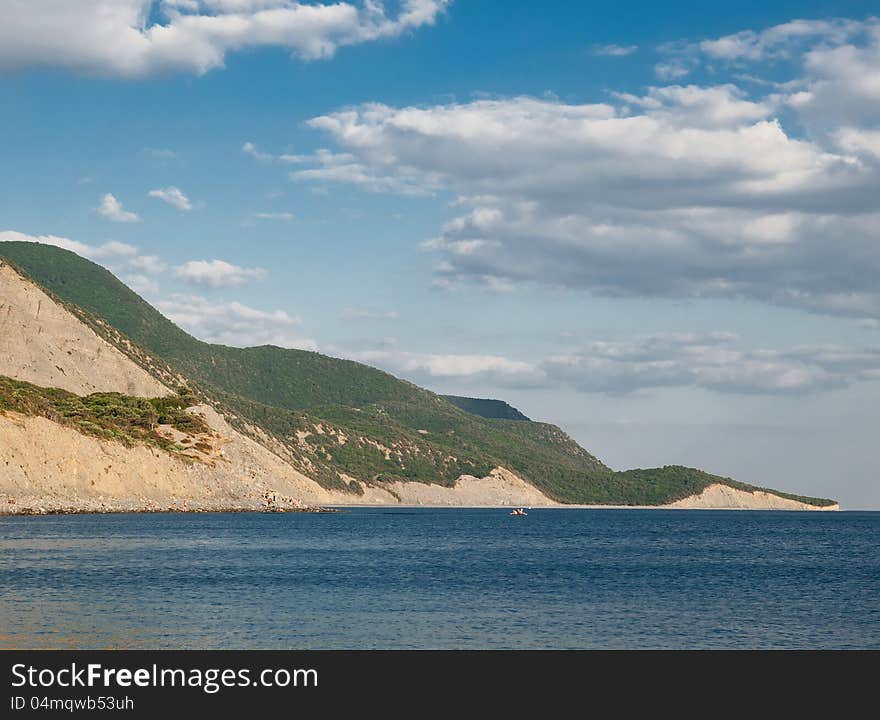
(653, 224)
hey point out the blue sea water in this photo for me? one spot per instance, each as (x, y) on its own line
(438, 578)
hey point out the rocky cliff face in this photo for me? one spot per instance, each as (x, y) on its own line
(46, 465)
(42, 342)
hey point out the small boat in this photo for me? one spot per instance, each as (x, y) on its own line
(518, 512)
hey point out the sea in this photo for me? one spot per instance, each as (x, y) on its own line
(442, 578)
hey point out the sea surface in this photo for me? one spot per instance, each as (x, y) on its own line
(442, 578)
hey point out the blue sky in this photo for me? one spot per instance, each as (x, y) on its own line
(653, 224)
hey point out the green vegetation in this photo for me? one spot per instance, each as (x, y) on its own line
(112, 415)
(492, 409)
(660, 482)
(335, 418)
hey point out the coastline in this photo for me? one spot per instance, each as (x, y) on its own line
(121, 507)
(331, 509)
(31, 509)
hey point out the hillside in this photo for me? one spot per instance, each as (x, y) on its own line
(348, 426)
(492, 409)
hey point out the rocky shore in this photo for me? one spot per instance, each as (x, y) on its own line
(86, 506)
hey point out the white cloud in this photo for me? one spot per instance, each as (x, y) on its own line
(123, 259)
(111, 250)
(841, 84)
(425, 367)
(713, 362)
(613, 50)
(838, 62)
(232, 323)
(685, 191)
(695, 106)
(149, 264)
(217, 273)
(673, 69)
(864, 143)
(710, 361)
(112, 209)
(780, 40)
(173, 196)
(136, 38)
(280, 216)
(251, 149)
(367, 314)
(343, 168)
(141, 284)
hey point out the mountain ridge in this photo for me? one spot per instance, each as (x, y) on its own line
(487, 407)
(303, 404)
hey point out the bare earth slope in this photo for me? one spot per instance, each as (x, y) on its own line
(47, 467)
(722, 497)
(43, 464)
(43, 343)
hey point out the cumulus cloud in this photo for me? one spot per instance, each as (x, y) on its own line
(133, 268)
(330, 167)
(217, 273)
(837, 65)
(148, 264)
(782, 40)
(232, 323)
(841, 84)
(141, 284)
(713, 362)
(173, 196)
(279, 216)
(613, 50)
(251, 149)
(111, 250)
(112, 209)
(681, 191)
(352, 313)
(344, 168)
(425, 367)
(136, 38)
(672, 70)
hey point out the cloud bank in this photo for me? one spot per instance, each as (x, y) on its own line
(233, 323)
(709, 361)
(683, 190)
(217, 273)
(137, 38)
(111, 209)
(172, 196)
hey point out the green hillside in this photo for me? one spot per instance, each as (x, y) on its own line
(331, 417)
(492, 409)
(108, 415)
